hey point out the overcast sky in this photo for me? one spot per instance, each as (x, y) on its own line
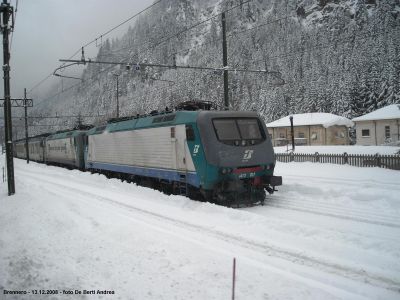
(48, 30)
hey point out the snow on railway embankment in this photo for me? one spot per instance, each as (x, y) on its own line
(330, 232)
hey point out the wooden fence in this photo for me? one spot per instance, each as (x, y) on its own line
(358, 160)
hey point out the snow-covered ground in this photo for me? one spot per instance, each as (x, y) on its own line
(331, 232)
(369, 150)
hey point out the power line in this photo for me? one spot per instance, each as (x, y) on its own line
(150, 47)
(154, 65)
(190, 27)
(75, 85)
(40, 82)
(183, 31)
(115, 27)
(195, 25)
(166, 39)
(226, 68)
(93, 41)
(114, 52)
(234, 33)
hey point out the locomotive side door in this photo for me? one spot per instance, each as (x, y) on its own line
(180, 147)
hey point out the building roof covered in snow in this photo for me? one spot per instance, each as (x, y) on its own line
(388, 112)
(324, 119)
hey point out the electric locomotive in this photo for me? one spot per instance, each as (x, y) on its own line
(224, 157)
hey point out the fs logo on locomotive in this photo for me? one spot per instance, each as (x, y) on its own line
(248, 154)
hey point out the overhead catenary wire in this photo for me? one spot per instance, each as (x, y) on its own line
(151, 47)
(170, 37)
(232, 34)
(187, 28)
(115, 27)
(194, 26)
(364, 35)
(74, 85)
(94, 40)
(154, 45)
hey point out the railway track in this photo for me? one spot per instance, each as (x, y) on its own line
(264, 248)
(348, 181)
(324, 209)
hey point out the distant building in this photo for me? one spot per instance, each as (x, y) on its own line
(379, 127)
(311, 129)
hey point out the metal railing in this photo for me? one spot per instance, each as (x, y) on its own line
(358, 160)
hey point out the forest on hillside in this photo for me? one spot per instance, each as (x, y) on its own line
(334, 56)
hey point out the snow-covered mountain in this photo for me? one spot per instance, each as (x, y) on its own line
(335, 56)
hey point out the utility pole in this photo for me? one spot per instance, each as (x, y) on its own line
(116, 76)
(5, 12)
(292, 132)
(225, 62)
(26, 127)
(21, 102)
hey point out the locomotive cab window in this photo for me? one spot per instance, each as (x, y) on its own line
(190, 133)
(239, 131)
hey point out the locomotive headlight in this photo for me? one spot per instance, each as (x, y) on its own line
(225, 171)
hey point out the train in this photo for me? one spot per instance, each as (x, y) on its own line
(224, 157)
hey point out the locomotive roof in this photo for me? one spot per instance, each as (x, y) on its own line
(171, 118)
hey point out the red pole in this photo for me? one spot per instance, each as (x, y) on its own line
(233, 278)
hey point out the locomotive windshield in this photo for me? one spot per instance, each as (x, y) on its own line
(249, 129)
(238, 129)
(226, 129)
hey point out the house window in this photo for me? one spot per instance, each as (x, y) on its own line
(281, 135)
(365, 133)
(387, 132)
(301, 135)
(314, 136)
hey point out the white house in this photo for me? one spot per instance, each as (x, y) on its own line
(311, 129)
(379, 127)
